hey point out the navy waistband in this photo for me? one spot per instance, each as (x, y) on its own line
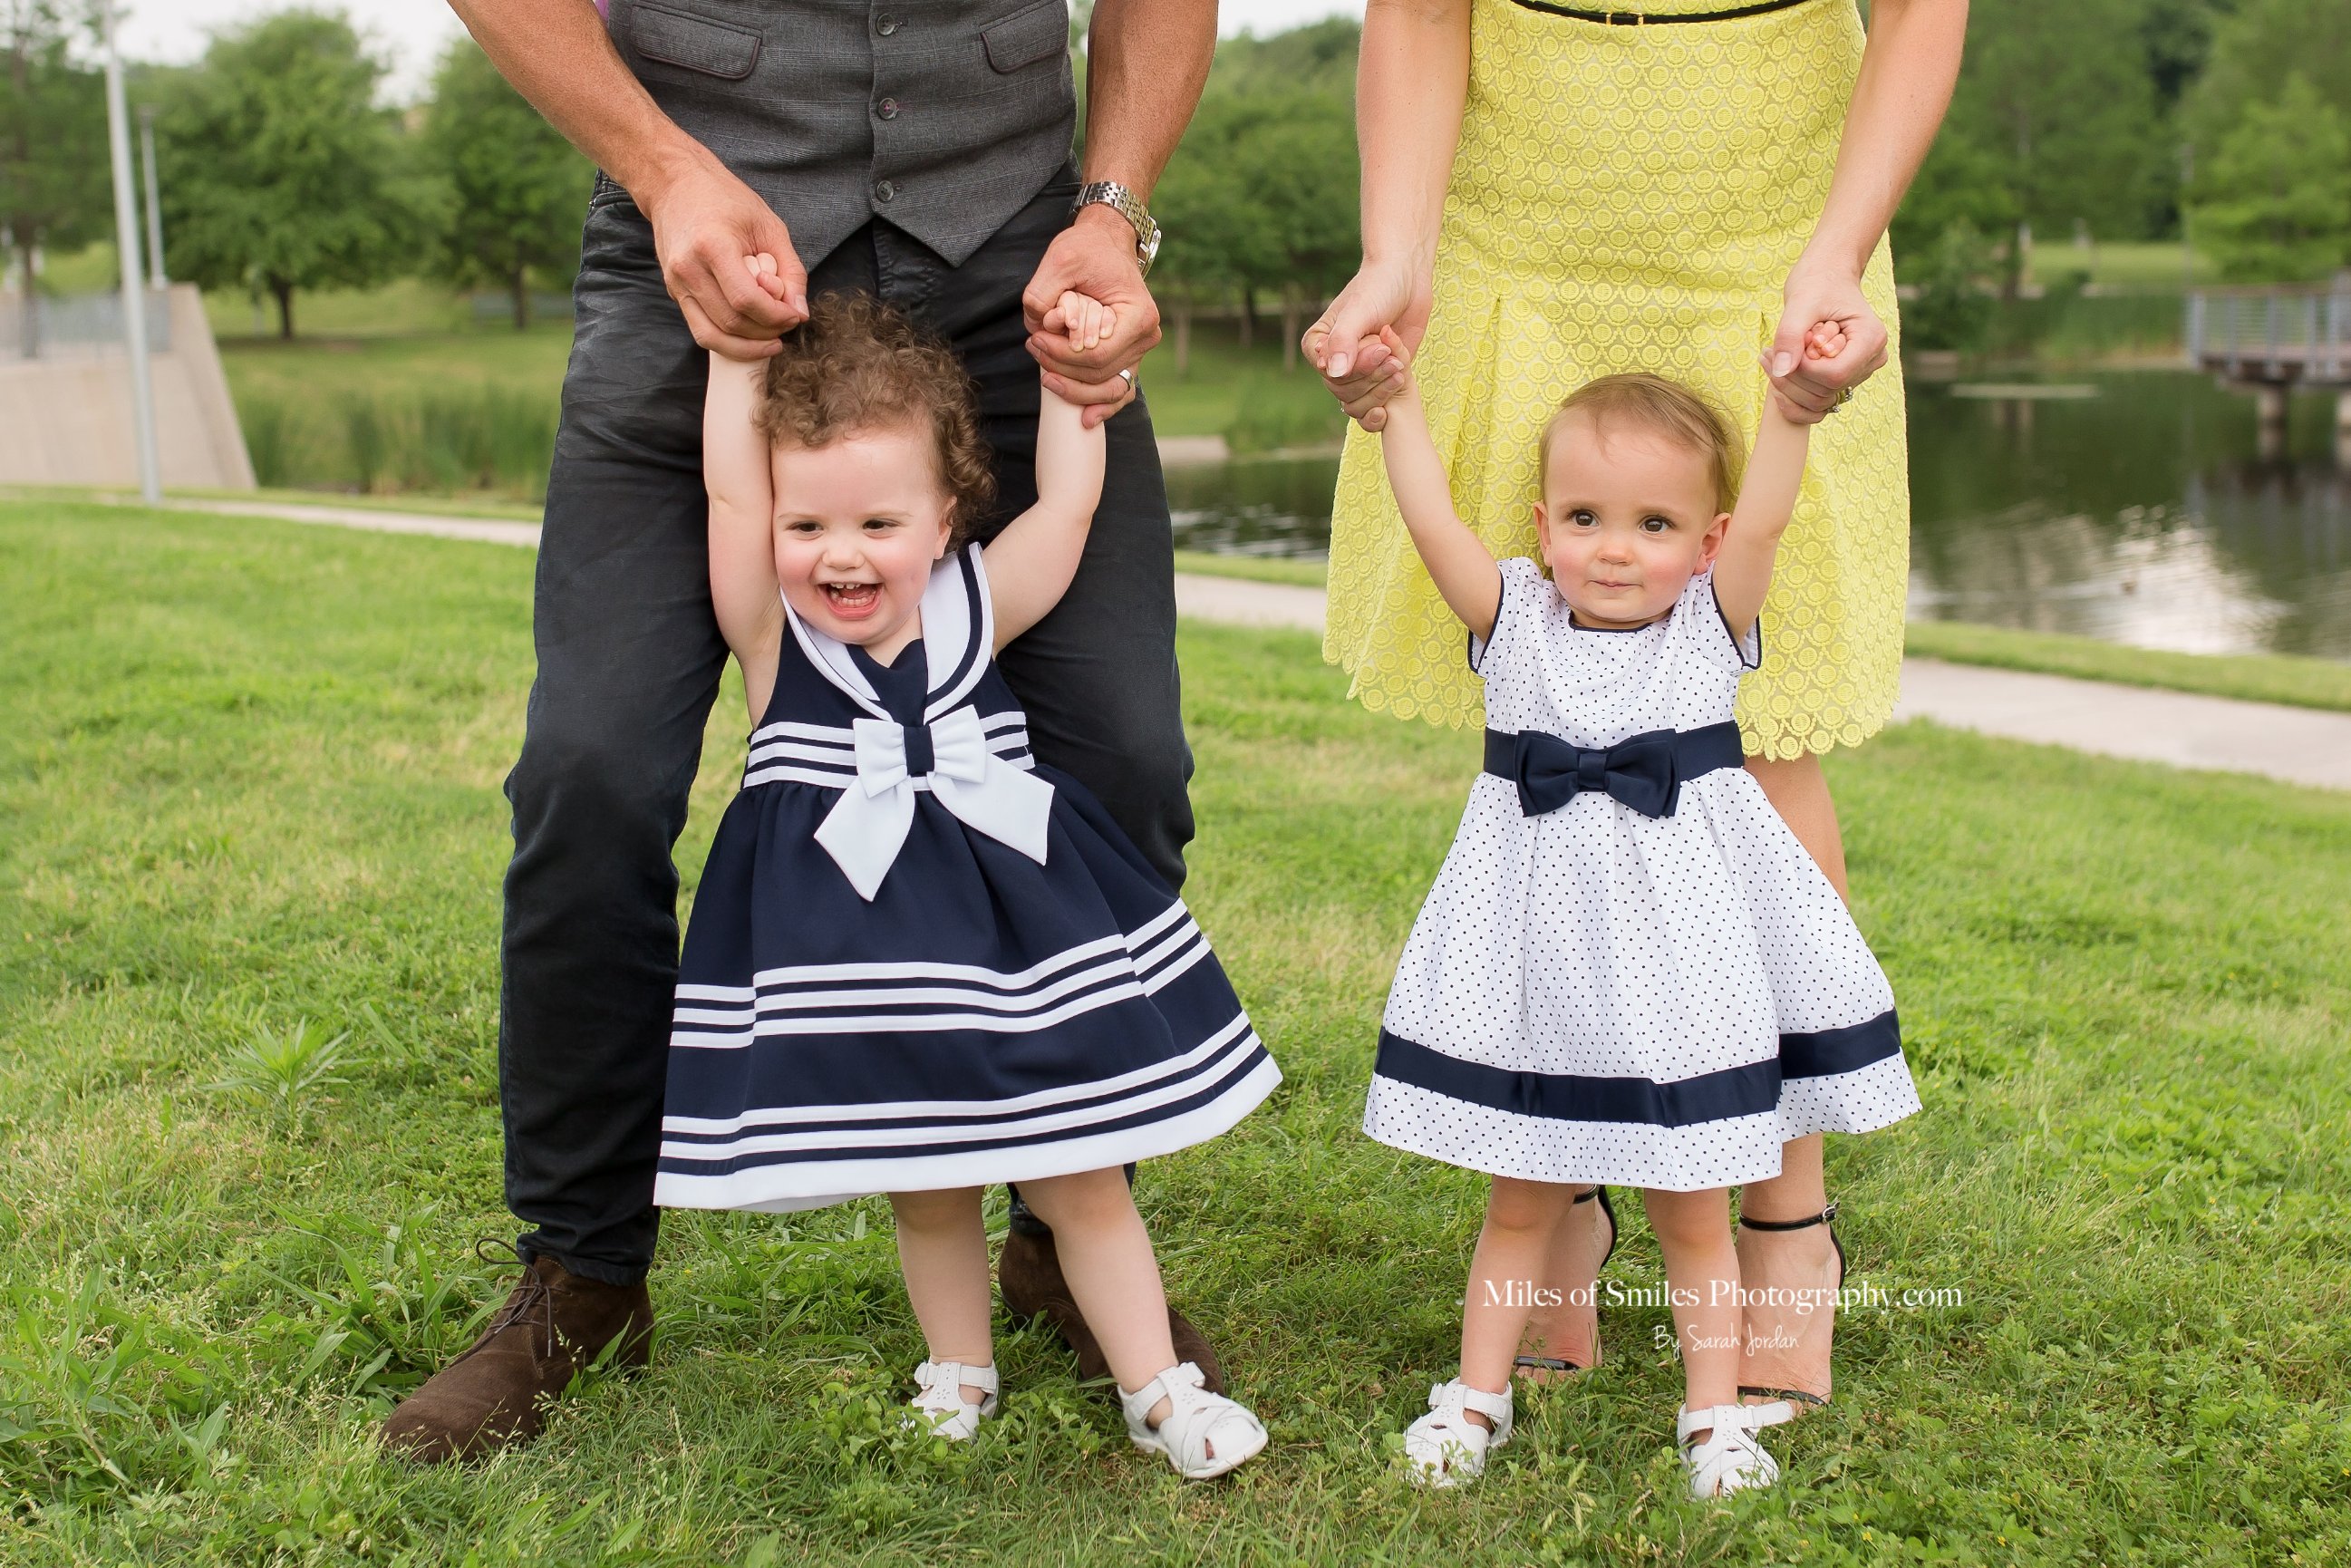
(1643, 771)
(1655, 20)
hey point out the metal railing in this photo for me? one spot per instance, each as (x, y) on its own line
(75, 326)
(2273, 334)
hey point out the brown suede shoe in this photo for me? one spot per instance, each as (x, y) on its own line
(1028, 1272)
(494, 1395)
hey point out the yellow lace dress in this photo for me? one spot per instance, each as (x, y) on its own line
(1630, 198)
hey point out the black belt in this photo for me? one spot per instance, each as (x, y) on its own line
(1643, 771)
(1655, 20)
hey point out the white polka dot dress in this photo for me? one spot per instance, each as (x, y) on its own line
(1593, 994)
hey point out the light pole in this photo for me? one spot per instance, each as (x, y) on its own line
(155, 278)
(126, 244)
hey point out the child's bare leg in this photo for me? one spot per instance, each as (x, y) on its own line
(1565, 1324)
(1112, 1274)
(943, 1251)
(1693, 1232)
(1523, 1220)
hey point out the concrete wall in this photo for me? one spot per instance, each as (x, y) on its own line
(66, 420)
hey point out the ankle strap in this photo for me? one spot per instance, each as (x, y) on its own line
(1823, 1218)
(1495, 1407)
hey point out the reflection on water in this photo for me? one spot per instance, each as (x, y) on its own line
(2139, 515)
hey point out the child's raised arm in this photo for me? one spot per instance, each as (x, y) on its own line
(1767, 499)
(736, 474)
(1458, 561)
(1030, 563)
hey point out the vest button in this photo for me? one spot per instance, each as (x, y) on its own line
(884, 190)
(887, 108)
(885, 25)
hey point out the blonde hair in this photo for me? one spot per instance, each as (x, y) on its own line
(857, 364)
(1664, 408)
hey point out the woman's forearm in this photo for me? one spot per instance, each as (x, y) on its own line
(1411, 81)
(1898, 100)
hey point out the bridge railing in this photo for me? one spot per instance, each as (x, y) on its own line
(2278, 334)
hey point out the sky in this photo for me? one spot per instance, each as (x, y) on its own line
(413, 33)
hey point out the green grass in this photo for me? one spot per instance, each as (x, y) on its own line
(1302, 573)
(249, 802)
(2156, 265)
(2255, 677)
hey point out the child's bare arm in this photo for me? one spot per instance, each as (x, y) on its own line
(1030, 563)
(1458, 561)
(1767, 499)
(735, 473)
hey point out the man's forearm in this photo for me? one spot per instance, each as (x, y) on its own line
(558, 55)
(1147, 61)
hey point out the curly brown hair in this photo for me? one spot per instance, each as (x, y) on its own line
(857, 364)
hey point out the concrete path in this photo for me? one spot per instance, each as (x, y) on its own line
(2300, 745)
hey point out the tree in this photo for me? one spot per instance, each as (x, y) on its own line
(279, 170)
(1218, 238)
(509, 188)
(2256, 50)
(53, 172)
(1297, 159)
(2278, 206)
(2054, 117)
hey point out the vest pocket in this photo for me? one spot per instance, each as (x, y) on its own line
(676, 38)
(1027, 37)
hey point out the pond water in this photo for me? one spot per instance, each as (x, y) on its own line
(2134, 506)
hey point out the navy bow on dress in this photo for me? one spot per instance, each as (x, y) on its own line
(1644, 771)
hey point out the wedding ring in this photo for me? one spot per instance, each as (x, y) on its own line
(1845, 397)
(1130, 379)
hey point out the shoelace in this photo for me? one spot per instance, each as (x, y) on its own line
(529, 1293)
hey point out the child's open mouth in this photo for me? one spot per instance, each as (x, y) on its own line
(852, 600)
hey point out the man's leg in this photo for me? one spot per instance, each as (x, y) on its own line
(629, 660)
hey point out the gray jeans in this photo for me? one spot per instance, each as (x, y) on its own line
(629, 661)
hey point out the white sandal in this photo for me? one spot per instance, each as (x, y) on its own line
(1197, 1421)
(1445, 1447)
(941, 1409)
(1731, 1459)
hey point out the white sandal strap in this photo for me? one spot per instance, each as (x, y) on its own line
(1453, 1398)
(1197, 1421)
(943, 1382)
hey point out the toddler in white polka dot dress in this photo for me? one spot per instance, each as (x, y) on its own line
(1629, 969)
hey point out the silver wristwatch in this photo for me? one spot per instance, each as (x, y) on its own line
(1128, 206)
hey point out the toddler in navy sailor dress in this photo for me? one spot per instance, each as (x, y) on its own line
(993, 1012)
(920, 962)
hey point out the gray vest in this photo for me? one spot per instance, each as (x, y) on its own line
(943, 117)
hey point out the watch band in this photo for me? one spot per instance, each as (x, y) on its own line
(1128, 206)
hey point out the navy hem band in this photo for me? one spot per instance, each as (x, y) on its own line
(1745, 1091)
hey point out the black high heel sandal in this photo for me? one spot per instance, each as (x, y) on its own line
(1557, 1363)
(1825, 1216)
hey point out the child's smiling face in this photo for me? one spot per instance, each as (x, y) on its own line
(1628, 517)
(858, 523)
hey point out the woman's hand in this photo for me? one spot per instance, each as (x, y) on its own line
(1345, 346)
(1809, 389)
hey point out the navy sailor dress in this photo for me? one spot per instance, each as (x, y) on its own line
(919, 959)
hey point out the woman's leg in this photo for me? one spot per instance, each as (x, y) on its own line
(1799, 791)
(1786, 1347)
(1565, 1322)
(1112, 1274)
(1790, 1275)
(1514, 1247)
(943, 1251)
(1702, 1270)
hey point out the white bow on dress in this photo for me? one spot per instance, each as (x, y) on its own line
(865, 833)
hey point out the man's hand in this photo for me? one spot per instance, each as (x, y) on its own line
(1824, 310)
(706, 221)
(1093, 256)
